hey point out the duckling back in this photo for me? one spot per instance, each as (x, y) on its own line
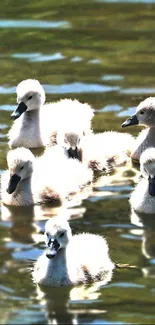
(70, 115)
(107, 150)
(91, 262)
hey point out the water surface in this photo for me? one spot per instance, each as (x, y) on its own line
(101, 52)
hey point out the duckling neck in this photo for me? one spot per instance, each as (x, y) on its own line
(29, 115)
(31, 131)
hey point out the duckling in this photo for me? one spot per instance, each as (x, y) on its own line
(26, 130)
(102, 151)
(143, 197)
(71, 260)
(16, 181)
(75, 122)
(36, 123)
(70, 139)
(31, 181)
(145, 115)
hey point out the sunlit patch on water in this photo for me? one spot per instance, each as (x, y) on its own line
(112, 77)
(137, 91)
(130, 111)
(7, 107)
(79, 88)
(76, 59)
(110, 108)
(127, 1)
(38, 57)
(33, 24)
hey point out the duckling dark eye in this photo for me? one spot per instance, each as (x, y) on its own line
(30, 97)
(62, 234)
(142, 112)
(22, 167)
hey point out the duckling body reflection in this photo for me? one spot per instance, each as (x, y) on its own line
(143, 197)
(71, 260)
(145, 115)
(31, 181)
(36, 123)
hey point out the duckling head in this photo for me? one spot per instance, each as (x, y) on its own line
(57, 235)
(145, 114)
(20, 163)
(147, 166)
(30, 96)
(70, 141)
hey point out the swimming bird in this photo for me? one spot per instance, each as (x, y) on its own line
(75, 123)
(71, 259)
(101, 151)
(36, 123)
(31, 181)
(145, 115)
(143, 197)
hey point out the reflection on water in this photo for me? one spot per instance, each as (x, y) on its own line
(102, 53)
(38, 57)
(32, 24)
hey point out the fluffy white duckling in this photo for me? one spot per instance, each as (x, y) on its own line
(71, 260)
(16, 181)
(70, 140)
(75, 123)
(36, 123)
(26, 130)
(30, 181)
(143, 197)
(145, 115)
(102, 151)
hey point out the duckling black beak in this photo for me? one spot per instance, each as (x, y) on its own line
(21, 108)
(53, 248)
(152, 186)
(74, 153)
(130, 121)
(13, 182)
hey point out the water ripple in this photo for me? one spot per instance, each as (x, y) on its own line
(7, 90)
(78, 87)
(127, 1)
(33, 24)
(109, 108)
(38, 57)
(126, 285)
(76, 59)
(137, 91)
(7, 107)
(130, 111)
(112, 77)
(71, 88)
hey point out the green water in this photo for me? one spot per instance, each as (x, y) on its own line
(101, 52)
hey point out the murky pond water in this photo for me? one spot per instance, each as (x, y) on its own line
(101, 52)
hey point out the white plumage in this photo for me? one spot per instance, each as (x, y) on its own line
(48, 178)
(143, 197)
(107, 150)
(36, 123)
(71, 260)
(145, 115)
